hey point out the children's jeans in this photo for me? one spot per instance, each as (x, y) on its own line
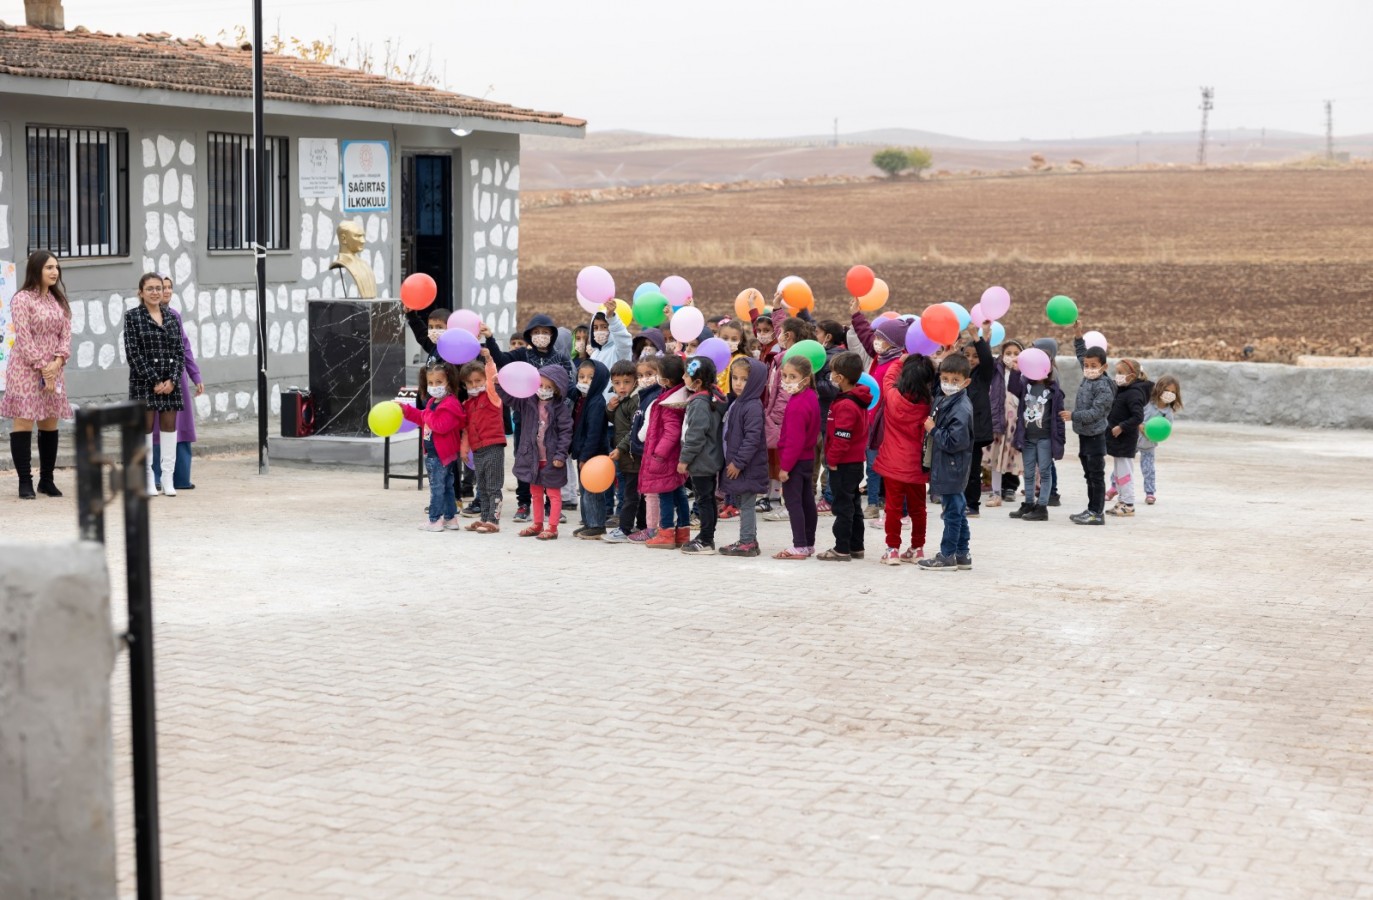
(748, 518)
(674, 502)
(1038, 457)
(956, 533)
(874, 481)
(442, 503)
(593, 508)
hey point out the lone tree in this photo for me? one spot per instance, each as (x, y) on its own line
(894, 160)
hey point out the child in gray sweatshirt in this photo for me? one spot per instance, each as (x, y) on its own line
(1094, 398)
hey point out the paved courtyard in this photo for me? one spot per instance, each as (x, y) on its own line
(1179, 705)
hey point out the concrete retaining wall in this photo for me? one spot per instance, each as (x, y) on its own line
(57, 650)
(1257, 393)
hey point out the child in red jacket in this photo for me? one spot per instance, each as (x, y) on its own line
(443, 420)
(484, 439)
(846, 454)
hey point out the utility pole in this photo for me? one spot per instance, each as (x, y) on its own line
(1207, 94)
(1330, 130)
(258, 228)
(836, 131)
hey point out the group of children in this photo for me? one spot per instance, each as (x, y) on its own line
(691, 444)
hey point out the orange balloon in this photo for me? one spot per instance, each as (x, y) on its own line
(598, 474)
(876, 298)
(748, 299)
(798, 296)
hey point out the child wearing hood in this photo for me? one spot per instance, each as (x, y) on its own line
(658, 474)
(1122, 431)
(610, 340)
(702, 456)
(884, 345)
(746, 450)
(648, 343)
(590, 439)
(846, 450)
(542, 445)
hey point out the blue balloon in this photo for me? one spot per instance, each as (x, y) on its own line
(871, 382)
(998, 334)
(964, 317)
(647, 287)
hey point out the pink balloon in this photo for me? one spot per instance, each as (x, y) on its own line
(676, 290)
(587, 305)
(916, 342)
(1094, 339)
(458, 347)
(1034, 363)
(976, 313)
(713, 349)
(466, 320)
(595, 284)
(519, 379)
(996, 302)
(687, 323)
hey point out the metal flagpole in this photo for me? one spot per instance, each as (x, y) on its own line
(259, 240)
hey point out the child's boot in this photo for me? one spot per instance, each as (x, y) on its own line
(1024, 508)
(1038, 513)
(683, 536)
(665, 539)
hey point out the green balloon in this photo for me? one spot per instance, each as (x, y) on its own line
(1061, 310)
(650, 309)
(811, 350)
(1157, 429)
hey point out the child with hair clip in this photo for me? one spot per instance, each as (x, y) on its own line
(658, 474)
(484, 439)
(907, 398)
(590, 439)
(702, 455)
(1005, 402)
(1122, 431)
(1165, 401)
(846, 452)
(1039, 436)
(541, 446)
(649, 390)
(746, 450)
(796, 455)
(442, 418)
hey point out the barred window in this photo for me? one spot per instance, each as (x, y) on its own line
(231, 201)
(78, 182)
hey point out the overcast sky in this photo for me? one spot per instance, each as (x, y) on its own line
(994, 69)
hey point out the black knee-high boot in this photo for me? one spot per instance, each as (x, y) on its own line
(21, 449)
(47, 461)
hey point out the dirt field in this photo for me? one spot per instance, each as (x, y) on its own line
(1199, 264)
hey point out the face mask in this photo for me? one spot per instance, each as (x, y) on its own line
(1091, 374)
(646, 383)
(1122, 380)
(880, 345)
(583, 386)
(435, 334)
(476, 389)
(765, 337)
(673, 348)
(545, 393)
(648, 353)
(1167, 396)
(733, 346)
(438, 391)
(602, 337)
(540, 340)
(950, 389)
(793, 387)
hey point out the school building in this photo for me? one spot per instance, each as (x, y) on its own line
(127, 154)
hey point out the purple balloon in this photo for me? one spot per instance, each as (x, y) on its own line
(916, 342)
(406, 426)
(519, 379)
(457, 346)
(595, 284)
(715, 350)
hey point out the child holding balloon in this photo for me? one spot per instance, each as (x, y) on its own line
(542, 444)
(1165, 401)
(484, 439)
(907, 397)
(884, 345)
(1038, 434)
(796, 454)
(702, 454)
(443, 420)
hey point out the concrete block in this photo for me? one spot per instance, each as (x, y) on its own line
(57, 650)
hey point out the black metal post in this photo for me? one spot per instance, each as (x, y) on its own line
(259, 239)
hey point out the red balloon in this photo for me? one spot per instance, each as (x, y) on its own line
(418, 291)
(859, 281)
(940, 324)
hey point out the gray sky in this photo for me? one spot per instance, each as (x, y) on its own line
(995, 69)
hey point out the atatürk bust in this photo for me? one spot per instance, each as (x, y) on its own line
(350, 240)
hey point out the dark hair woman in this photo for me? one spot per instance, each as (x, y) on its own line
(35, 392)
(191, 387)
(153, 347)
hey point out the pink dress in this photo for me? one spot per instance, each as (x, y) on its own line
(41, 331)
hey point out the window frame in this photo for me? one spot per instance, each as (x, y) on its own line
(104, 186)
(229, 159)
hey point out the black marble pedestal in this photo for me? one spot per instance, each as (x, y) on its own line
(357, 359)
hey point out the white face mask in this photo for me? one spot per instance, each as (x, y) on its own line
(950, 389)
(648, 353)
(1122, 380)
(435, 334)
(476, 389)
(1091, 374)
(602, 336)
(1167, 396)
(583, 386)
(545, 393)
(793, 387)
(733, 346)
(540, 340)
(438, 391)
(646, 383)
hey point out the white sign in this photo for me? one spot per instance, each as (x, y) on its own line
(366, 176)
(9, 285)
(318, 167)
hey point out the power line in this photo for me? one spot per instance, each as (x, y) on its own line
(1207, 94)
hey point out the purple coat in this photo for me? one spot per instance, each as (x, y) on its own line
(997, 396)
(190, 377)
(746, 444)
(557, 437)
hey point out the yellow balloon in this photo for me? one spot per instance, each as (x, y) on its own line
(623, 310)
(385, 418)
(876, 298)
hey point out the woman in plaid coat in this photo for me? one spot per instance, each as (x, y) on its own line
(152, 345)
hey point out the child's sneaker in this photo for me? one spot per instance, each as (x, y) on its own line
(740, 549)
(434, 526)
(615, 536)
(779, 514)
(939, 563)
(591, 534)
(823, 508)
(472, 509)
(891, 557)
(1122, 510)
(665, 539)
(643, 537)
(699, 547)
(522, 514)
(964, 562)
(913, 554)
(762, 505)
(871, 511)
(1149, 499)
(452, 524)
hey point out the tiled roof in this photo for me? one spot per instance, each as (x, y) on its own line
(158, 61)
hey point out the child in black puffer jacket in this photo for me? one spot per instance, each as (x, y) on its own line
(1122, 435)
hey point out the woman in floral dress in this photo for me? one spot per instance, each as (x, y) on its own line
(35, 392)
